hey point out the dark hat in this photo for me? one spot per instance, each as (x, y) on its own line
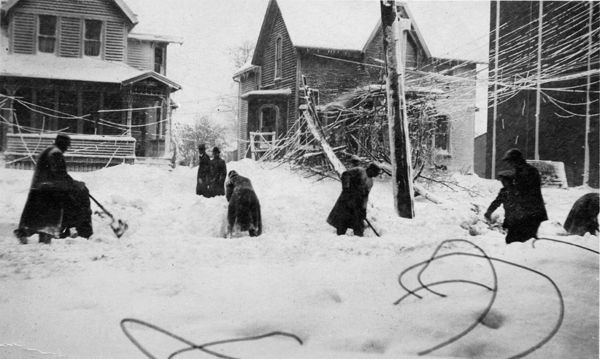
(514, 154)
(62, 140)
(202, 147)
(373, 169)
(232, 174)
(216, 150)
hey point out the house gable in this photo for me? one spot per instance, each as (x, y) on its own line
(24, 21)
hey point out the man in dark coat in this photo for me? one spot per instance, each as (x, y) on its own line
(55, 206)
(350, 209)
(218, 172)
(583, 216)
(530, 209)
(244, 209)
(203, 177)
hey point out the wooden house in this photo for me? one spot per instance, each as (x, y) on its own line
(340, 49)
(545, 94)
(76, 67)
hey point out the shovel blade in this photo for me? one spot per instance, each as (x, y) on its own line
(120, 228)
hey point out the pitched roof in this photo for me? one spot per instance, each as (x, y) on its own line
(448, 29)
(351, 25)
(6, 6)
(75, 69)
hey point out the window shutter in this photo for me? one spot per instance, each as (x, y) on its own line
(70, 37)
(23, 33)
(115, 41)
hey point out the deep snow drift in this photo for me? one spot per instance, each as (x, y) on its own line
(173, 268)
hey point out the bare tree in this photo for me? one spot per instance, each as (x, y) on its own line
(187, 137)
(241, 53)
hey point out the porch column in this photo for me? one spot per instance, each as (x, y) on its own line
(166, 113)
(10, 91)
(80, 110)
(129, 112)
(97, 127)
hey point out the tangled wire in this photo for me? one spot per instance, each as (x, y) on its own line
(191, 345)
(494, 289)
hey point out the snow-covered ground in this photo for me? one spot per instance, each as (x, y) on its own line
(173, 268)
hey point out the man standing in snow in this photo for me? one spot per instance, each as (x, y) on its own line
(530, 209)
(350, 209)
(57, 205)
(244, 209)
(203, 177)
(218, 172)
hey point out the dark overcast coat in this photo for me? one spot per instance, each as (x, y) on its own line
(244, 208)
(203, 176)
(350, 209)
(49, 189)
(583, 216)
(218, 173)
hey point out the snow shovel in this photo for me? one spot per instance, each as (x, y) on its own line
(118, 226)
(373, 228)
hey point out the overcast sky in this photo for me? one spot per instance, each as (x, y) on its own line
(209, 27)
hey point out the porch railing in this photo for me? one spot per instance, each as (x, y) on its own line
(87, 152)
(261, 142)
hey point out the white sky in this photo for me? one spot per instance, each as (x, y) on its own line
(209, 27)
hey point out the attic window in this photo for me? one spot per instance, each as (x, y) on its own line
(278, 58)
(93, 31)
(47, 34)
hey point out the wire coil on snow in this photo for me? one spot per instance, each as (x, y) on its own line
(471, 327)
(191, 345)
(563, 242)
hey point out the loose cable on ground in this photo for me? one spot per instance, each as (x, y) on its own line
(191, 345)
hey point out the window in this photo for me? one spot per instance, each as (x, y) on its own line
(159, 60)
(268, 119)
(47, 34)
(441, 138)
(278, 57)
(93, 34)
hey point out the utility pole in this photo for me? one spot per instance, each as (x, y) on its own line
(396, 106)
(586, 154)
(495, 115)
(538, 91)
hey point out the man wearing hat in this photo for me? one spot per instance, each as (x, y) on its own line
(203, 177)
(55, 203)
(350, 209)
(218, 172)
(530, 209)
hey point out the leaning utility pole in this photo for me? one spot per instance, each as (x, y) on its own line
(396, 106)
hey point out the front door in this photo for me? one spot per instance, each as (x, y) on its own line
(138, 131)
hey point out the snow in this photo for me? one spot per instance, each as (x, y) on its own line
(173, 268)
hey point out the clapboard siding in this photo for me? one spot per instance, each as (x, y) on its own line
(101, 8)
(140, 54)
(288, 77)
(23, 32)
(70, 37)
(115, 41)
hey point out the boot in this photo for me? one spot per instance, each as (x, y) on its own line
(45, 238)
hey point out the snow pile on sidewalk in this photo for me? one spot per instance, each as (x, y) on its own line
(175, 269)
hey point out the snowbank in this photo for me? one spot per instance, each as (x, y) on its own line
(175, 269)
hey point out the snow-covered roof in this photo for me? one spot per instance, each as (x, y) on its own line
(75, 69)
(331, 24)
(453, 29)
(449, 29)
(6, 6)
(278, 92)
(155, 38)
(245, 67)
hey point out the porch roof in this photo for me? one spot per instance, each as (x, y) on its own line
(75, 69)
(257, 93)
